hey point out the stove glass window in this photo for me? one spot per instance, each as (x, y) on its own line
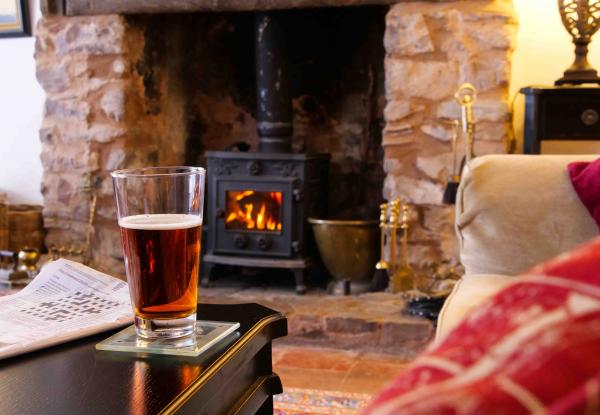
(253, 210)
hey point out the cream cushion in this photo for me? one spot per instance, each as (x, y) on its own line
(515, 211)
(468, 293)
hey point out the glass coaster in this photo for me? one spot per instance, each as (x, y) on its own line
(208, 333)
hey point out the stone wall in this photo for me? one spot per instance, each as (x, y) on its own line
(100, 115)
(431, 49)
(118, 95)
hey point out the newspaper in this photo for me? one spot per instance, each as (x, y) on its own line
(66, 301)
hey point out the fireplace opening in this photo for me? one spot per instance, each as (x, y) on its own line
(308, 143)
(199, 73)
(249, 210)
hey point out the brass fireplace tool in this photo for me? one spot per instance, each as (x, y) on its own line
(454, 177)
(465, 96)
(382, 264)
(395, 216)
(83, 251)
(424, 288)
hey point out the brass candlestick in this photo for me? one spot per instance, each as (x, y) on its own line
(581, 18)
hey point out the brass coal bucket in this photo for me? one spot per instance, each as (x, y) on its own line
(349, 249)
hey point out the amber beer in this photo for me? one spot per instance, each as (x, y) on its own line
(162, 259)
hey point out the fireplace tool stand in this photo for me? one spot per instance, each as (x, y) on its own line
(259, 202)
(418, 287)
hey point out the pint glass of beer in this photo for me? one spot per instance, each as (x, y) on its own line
(160, 217)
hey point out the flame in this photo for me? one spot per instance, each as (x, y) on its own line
(242, 195)
(253, 210)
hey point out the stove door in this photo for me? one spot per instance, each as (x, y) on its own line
(254, 217)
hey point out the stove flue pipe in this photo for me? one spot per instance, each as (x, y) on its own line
(274, 113)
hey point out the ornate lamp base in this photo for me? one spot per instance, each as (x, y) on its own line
(578, 77)
(581, 18)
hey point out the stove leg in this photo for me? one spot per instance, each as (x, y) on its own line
(299, 276)
(206, 278)
(347, 287)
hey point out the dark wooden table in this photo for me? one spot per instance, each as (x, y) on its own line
(234, 378)
(563, 113)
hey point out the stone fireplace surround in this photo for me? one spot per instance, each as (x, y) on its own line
(103, 111)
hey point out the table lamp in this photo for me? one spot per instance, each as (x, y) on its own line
(581, 18)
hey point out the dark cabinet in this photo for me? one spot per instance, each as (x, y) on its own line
(560, 113)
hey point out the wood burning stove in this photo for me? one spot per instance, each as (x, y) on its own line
(258, 202)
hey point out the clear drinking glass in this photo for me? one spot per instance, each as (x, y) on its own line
(160, 217)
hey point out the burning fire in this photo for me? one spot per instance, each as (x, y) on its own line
(254, 210)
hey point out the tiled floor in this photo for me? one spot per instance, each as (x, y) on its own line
(334, 370)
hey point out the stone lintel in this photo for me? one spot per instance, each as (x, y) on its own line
(98, 7)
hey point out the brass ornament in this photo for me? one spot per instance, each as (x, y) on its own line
(581, 18)
(19, 268)
(28, 261)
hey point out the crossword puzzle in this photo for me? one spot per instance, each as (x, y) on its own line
(68, 308)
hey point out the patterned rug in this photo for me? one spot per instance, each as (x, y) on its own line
(294, 401)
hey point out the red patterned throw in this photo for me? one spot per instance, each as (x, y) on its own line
(533, 348)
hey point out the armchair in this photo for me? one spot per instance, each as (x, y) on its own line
(512, 212)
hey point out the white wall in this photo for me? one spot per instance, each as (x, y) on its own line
(21, 102)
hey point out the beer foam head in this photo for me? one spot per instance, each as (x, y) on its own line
(159, 222)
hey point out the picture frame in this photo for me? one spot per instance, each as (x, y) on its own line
(14, 18)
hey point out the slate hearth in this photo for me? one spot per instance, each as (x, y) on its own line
(373, 322)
